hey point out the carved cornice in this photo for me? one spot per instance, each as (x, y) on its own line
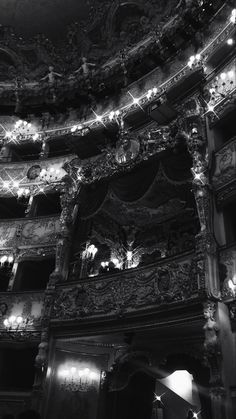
(134, 149)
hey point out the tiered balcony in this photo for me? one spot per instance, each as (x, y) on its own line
(129, 293)
(25, 305)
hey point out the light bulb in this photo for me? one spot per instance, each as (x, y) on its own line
(10, 259)
(19, 319)
(74, 128)
(3, 259)
(12, 319)
(35, 136)
(223, 76)
(93, 375)
(6, 322)
(230, 41)
(149, 93)
(6, 184)
(111, 115)
(135, 101)
(231, 74)
(73, 370)
(98, 118)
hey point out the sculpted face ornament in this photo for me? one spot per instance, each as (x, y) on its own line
(127, 149)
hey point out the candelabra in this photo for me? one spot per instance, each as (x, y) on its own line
(77, 379)
(17, 328)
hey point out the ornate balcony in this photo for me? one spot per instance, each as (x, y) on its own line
(33, 175)
(133, 291)
(29, 235)
(28, 306)
(225, 170)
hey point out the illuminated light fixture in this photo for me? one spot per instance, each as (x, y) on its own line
(158, 398)
(74, 128)
(223, 76)
(117, 113)
(35, 136)
(231, 74)
(90, 252)
(7, 134)
(230, 41)
(149, 93)
(129, 255)
(76, 379)
(99, 118)
(210, 108)
(3, 259)
(18, 123)
(155, 90)
(15, 184)
(198, 57)
(6, 184)
(16, 328)
(233, 16)
(135, 100)
(195, 415)
(111, 115)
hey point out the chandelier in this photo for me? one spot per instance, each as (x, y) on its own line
(78, 379)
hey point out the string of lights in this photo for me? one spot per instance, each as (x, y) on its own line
(26, 131)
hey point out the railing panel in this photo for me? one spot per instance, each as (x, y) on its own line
(129, 291)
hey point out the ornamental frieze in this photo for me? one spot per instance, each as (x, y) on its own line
(131, 291)
(225, 164)
(29, 232)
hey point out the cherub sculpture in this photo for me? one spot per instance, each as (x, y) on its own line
(85, 67)
(51, 76)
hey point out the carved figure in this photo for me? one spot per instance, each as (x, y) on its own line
(51, 76)
(85, 67)
(211, 329)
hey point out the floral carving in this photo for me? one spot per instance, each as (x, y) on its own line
(127, 292)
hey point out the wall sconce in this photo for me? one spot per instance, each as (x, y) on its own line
(76, 379)
(6, 260)
(89, 252)
(16, 328)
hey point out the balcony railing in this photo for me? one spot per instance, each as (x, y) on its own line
(133, 290)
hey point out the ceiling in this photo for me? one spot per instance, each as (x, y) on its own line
(29, 17)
